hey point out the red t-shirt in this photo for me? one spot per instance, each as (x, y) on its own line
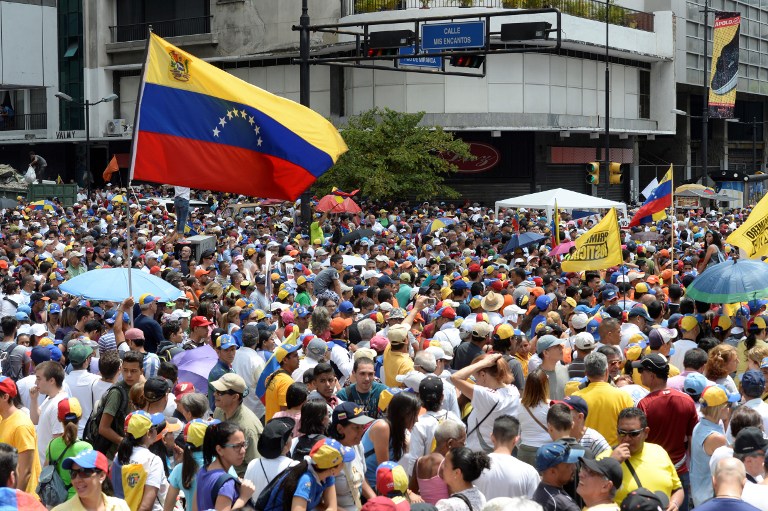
(671, 416)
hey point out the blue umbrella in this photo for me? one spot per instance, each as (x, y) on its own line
(522, 240)
(732, 281)
(112, 284)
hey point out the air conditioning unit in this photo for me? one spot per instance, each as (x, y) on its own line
(115, 127)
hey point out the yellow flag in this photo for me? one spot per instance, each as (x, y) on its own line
(752, 236)
(598, 248)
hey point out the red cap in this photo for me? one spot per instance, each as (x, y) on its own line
(199, 321)
(182, 388)
(8, 386)
(448, 313)
(497, 285)
(475, 268)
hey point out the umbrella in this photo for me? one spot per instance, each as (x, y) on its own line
(42, 205)
(356, 235)
(349, 206)
(562, 248)
(333, 203)
(8, 203)
(348, 261)
(735, 280)
(195, 366)
(112, 284)
(119, 199)
(647, 236)
(438, 223)
(522, 240)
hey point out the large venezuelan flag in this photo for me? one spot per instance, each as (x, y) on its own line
(660, 199)
(200, 127)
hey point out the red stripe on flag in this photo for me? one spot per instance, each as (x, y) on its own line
(166, 159)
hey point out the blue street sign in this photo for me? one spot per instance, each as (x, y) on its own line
(449, 36)
(433, 62)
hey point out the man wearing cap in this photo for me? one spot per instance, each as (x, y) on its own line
(80, 381)
(396, 358)
(445, 328)
(750, 447)
(19, 432)
(153, 334)
(550, 350)
(584, 344)
(661, 404)
(348, 424)
(315, 351)
(225, 347)
(566, 422)
(599, 480)
(277, 383)
(339, 347)
(198, 332)
(556, 462)
(249, 365)
(689, 332)
(605, 401)
(467, 351)
(644, 464)
(134, 338)
(229, 391)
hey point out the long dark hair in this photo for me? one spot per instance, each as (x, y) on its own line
(290, 482)
(716, 239)
(189, 466)
(471, 463)
(402, 410)
(125, 449)
(313, 413)
(217, 435)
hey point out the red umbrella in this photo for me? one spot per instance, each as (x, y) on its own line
(332, 203)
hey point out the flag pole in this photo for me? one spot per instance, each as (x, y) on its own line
(674, 216)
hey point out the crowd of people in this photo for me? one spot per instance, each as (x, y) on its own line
(406, 357)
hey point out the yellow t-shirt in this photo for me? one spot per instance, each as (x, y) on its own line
(18, 431)
(741, 351)
(605, 402)
(654, 469)
(274, 397)
(395, 363)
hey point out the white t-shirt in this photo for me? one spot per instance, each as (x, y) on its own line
(48, 423)
(682, 347)
(422, 434)
(155, 473)
(507, 477)
(506, 400)
(756, 494)
(531, 434)
(261, 471)
(82, 386)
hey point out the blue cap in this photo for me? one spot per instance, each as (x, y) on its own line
(756, 305)
(753, 383)
(543, 302)
(21, 316)
(24, 308)
(694, 384)
(224, 341)
(609, 293)
(546, 342)
(56, 353)
(554, 453)
(40, 354)
(460, 285)
(384, 280)
(55, 308)
(346, 306)
(593, 328)
(111, 317)
(302, 312)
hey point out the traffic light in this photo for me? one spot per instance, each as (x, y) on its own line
(473, 61)
(382, 52)
(615, 172)
(387, 43)
(593, 172)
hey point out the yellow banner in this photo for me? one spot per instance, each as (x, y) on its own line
(724, 74)
(598, 248)
(752, 236)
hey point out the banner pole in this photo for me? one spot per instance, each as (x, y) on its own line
(674, 216)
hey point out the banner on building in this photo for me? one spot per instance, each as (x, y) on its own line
(724, 74)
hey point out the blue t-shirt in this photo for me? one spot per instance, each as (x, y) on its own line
(175, 479)
(718, 504)
(308, 488)
(206, 481)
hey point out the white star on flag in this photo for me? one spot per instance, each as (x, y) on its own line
(234, 115)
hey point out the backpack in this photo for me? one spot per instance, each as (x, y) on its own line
(5, 362)
(223, 478)
(50, 487)
(91, 431)
(166, 353)
(263, 500)
(304, 445)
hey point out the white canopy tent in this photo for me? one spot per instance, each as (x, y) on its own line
(566, 199)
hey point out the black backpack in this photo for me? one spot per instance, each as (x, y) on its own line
(167, 352)
(91, 431)
(5, 362)
(263, 499)
(304, 445)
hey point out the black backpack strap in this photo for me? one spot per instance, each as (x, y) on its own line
(634, 474)
(477, 426)
(464, 499)
(222, 479)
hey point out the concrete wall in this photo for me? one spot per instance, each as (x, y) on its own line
(29, 31)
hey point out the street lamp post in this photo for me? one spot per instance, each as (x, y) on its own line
(87, 105)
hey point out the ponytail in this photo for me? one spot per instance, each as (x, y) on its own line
(70, 433)
(189, 466)
(125, 449)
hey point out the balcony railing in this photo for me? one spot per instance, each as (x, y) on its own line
(24, 122)
(168, 28)
(589, 9)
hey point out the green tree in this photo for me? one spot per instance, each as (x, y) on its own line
(392, 156)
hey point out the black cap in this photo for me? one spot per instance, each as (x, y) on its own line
(276, 434)
(750, 440)
(156, 388)
(206, 253)
(614, 311)
(645, 500)
(608, 467)
(655, 363)
(430, 385)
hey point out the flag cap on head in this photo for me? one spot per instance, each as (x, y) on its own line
(140, 422)
(199, 126)
(146, 299)
(391, 477)
(194, 431)
(329, 453)
(658, 201)
(69, 409)
(88, 458)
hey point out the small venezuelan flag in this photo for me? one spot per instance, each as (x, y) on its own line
(655, 207)
(200, 127)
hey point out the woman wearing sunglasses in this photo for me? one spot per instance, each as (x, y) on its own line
(224, 447)
(88, 472)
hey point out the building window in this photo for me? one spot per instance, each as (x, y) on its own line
(644, 97)
(71, 63)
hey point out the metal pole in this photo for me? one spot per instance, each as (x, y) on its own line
(87, 146)
(705, 112)
(754, 145)
(607, 101)
(306, 212)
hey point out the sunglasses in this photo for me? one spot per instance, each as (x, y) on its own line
(225, 393)
(84, 473)
(634, 433)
